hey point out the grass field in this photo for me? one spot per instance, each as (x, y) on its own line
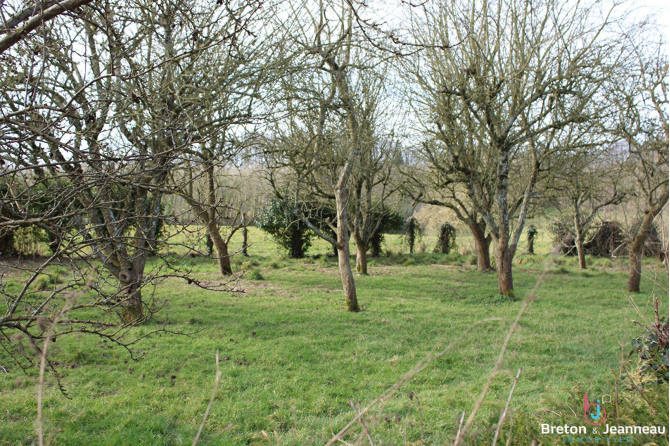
(292, 359)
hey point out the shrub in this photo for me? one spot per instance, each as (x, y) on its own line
(392, 221)
(446, 239)
(652, 350)
(531, 233)
(280, 221)
(413, 233)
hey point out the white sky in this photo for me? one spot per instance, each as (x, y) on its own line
(658, 9)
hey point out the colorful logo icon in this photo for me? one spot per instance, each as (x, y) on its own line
(594, 413)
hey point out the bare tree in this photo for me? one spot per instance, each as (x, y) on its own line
(521, 74)
(91, 125)
(331, 60)
(373, 173)
(75, 140)
(456, 176)
(641, 97)
(219, 89)
(584, 182)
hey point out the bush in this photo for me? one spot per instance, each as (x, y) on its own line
(280, 221)
(413, 233)
(392, 221)
(652, 351)
(446, 239)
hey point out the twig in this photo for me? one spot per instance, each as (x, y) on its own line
(460, 425)
(478, 404)
(504, 412)
(217, 381)
(360, 418)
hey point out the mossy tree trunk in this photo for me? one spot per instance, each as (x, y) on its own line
(130, 284)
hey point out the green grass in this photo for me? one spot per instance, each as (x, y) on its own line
(292, 359)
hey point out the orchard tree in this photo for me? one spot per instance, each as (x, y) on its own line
(458, 178)
(510, 77)
(583, 182)
(325, 138)
(372, 174)
(65, 171)
(641, 97)
(217, 92)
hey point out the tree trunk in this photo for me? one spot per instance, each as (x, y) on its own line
(348, 285)
(482, 244)
(221, 247)
(297, 241)
(637, 245)
(504, 265)
(209, 244)
(532, 232)
(579, 243)
(361, 257)
(580, 252)
(634, 269)
(376, 244)
(245, 241)
(635, 252)
(131, 293)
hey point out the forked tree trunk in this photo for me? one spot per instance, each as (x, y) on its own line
(220, 245)
(504, 265)
(361, 257)
(348, 284)
(482, 244)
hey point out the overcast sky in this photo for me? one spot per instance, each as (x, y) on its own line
(660, 10)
